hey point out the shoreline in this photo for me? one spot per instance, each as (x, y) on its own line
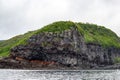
(9, 63)
(57, 70)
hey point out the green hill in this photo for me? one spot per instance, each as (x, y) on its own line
(6, 45)
(91, 32)
(100, 35)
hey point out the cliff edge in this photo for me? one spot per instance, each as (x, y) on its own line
(65, 45)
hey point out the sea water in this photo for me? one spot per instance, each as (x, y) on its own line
(9, 74)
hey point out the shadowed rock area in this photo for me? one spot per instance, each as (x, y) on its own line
(60, 50)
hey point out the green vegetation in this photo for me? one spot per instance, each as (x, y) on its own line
(57, 27)
(6, 45)
(117, 60)
(99, 35)
(91, 32)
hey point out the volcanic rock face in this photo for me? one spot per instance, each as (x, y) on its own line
(67, 48)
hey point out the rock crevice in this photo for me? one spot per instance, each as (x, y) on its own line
(67, 48)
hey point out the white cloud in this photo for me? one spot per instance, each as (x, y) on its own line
(45, 9)
(20, 16)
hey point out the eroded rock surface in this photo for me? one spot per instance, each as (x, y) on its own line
(66, 48)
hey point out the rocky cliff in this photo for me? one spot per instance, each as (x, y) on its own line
(66, 48)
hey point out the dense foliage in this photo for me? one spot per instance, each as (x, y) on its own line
(99, 35)
(91, 32)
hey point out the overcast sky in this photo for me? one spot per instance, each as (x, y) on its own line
(20, 16)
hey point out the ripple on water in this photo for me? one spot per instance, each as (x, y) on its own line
(8, 74)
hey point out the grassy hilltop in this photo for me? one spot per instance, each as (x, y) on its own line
(92, 34)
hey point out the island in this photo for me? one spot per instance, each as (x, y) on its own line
(62, 45)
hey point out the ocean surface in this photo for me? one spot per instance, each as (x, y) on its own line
(8, 74)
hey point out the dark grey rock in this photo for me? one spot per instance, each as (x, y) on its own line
(67, 48)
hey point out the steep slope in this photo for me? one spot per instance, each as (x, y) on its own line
(99, 35)
(6, 45)
(67, 43)
(92, 34)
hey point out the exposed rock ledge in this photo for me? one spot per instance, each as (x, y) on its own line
(65, 50)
